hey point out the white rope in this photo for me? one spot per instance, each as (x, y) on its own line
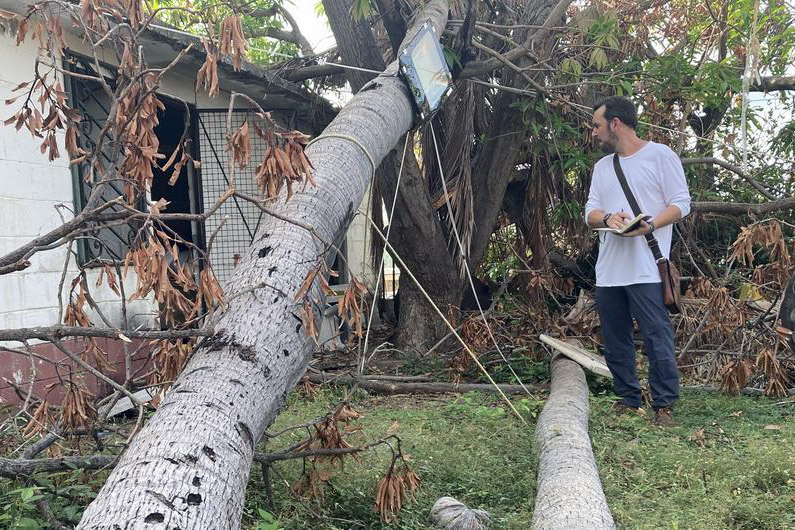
(357, 68)
(404, 268)
(751, 50)
(350, 139)
(383, 255)
(466, 265)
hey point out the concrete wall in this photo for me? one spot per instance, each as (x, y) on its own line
(31, 188)
(359, 244)
(34, 194)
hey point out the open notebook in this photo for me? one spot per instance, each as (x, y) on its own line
(631, 225)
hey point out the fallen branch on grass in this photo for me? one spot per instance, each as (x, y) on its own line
(748, 391)
(569, 493)
(392, 387)
(16, 468)
(13, 468)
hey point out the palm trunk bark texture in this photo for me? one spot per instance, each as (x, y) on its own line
(569, 493)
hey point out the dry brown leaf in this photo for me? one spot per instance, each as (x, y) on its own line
(699, 438)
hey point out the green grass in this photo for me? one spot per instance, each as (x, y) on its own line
(464, 447)
(470, 448)
(744, 477)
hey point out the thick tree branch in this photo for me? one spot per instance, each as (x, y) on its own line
(58, 332)
(294, 35)
(18, 259)
(296, 75)
(775, 82)
(306, 48)
(393, 22)
(11, 468)
(478, 68)
(23, 468)
(392, 387)
(726, 165)
(743, 208)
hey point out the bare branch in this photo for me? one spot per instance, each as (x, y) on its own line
(297, 75)
(11, 468)
(775, 82)
(294, 35)
(478, 68)
(726, 165)
(392, 387)
(57, 332)
(743, 208)
(18, 259)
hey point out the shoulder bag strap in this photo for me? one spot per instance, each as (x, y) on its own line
(633, 203)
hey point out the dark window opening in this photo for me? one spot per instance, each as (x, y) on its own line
(182, 196)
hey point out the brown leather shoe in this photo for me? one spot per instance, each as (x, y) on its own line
(622, 408)
(664, 417)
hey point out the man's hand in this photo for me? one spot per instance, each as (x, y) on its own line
(618, 220)
(642, 230)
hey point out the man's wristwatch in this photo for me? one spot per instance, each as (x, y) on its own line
(651, 225)
(606, 218)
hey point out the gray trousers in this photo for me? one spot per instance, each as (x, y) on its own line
(617, 307)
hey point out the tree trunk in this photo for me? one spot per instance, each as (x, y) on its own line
(189, 466)
(416, 233)
(418, 323)
(499, 154)
(569, 493)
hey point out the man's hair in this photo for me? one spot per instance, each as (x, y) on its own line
(621, 108)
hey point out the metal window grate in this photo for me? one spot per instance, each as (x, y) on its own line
(88, 97)
(244, 218)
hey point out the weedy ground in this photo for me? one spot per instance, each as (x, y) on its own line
(729, 463)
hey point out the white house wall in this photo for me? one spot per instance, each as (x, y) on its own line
(31, 188)
(358, 243)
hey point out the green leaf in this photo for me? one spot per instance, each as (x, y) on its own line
(25, 523)
(571, 66)
(598, 58)
(265, 515)
(361, 9)
(451, 58)
(26, 494)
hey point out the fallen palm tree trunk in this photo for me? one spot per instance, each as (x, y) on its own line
(394, 387)
(569, 493)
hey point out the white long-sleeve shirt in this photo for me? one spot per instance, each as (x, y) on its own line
(657, 179)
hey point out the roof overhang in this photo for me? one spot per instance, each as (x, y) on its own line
(274, 93)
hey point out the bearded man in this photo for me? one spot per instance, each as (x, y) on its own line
(628, 283)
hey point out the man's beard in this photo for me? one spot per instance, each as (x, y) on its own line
(609, 145)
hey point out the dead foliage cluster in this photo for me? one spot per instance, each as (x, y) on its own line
(392, 491)
(231, 42)
(351, 306)
(77, 408)
(284, 162)
(727, 332)
(158, 270)
(326, 433)
(168, 359)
